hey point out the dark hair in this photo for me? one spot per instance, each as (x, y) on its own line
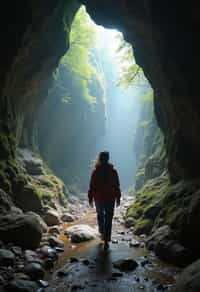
(103, 158)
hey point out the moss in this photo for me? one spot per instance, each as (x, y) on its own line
(148, 203)
(48, 187)
(143, 226)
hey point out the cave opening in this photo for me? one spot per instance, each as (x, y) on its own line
(99, 100)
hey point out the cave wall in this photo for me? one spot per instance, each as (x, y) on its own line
(165, 39)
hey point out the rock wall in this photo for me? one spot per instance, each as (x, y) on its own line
(164, 36)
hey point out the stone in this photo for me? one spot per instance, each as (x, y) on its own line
(67, 217)
(129, 222)
(5, 202)
(74, 260)
(43, 283)
(55, 242)
(48, 264)
(52, 218)
(54, 230)
(167, 248)
(80, 233)
(34, 271)
(48, 252)
(127, 264)
(134, 243)
(21, 276)
(7, 257)
(189, 279)
(20, 285)
(16, 250)
(23, 230)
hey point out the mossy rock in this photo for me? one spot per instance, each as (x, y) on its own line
(148, 204)
(143, 226)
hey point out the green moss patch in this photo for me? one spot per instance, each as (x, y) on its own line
(148, 204)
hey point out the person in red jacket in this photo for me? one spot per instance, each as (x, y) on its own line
(104, 190)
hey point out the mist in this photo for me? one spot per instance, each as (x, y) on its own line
(123, 107)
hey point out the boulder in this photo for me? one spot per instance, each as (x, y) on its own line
(79, 233)
(19, 285)
(7, 257)
(21, 229)
(29, 199)
(163, 242)
(67, 217)
(125, 264)
(189, 280)
(130, 221)
(52, 218)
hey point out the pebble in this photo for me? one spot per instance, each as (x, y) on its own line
(73, 260)
(115, 241)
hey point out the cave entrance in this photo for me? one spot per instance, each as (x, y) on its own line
(100, 100)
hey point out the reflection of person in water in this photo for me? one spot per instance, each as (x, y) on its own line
(105, 191)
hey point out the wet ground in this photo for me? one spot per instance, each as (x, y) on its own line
(87, 267)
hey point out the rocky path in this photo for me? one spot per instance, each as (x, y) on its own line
(126, 266)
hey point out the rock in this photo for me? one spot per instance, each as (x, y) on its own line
(2, 281)
(125, 264)
(7, 257)
(48, 264)
(20, 285)
(79, 233)
(67, 217)
(43, 284)
(48, 252)
(130, 221)
(40, 221)
(54, 230)
(5, 202)
(55, 242)
(52, 218)
(32, 163)
(189, 280)
(73, 260)
(117, 274)
(21, 229)
(134, 243)
(34, 271)
(29, 200)
(164, 245)
(21, 276)
(115, 241)
(62, 273)
(16, 250)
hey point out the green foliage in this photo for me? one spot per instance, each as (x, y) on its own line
(131, 73)
(77, 59)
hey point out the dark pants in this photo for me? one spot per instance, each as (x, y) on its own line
(105, 213)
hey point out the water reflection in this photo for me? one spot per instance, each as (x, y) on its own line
(103, 261)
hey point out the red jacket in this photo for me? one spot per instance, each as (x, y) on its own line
(104, 184)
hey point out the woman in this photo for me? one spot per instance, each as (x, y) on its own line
(104, 190)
